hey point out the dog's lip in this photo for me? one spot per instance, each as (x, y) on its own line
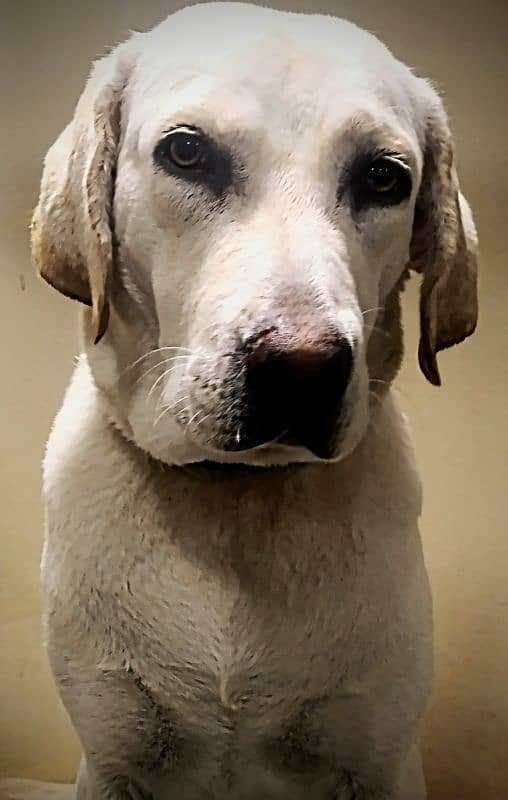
(285, 442)
(287, 439)
(291, 440)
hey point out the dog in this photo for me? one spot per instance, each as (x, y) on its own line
(236, 602)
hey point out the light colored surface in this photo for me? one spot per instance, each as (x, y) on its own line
(460, 430)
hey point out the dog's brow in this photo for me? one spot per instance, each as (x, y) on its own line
(366, 131)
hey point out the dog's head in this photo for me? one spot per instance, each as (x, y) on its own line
(238, 200)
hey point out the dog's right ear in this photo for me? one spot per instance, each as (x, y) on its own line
(72, 237)
(444, 246)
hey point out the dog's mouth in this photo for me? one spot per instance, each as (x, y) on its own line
(298, 424)
(288, 446)
(321, 447)
(299, 428)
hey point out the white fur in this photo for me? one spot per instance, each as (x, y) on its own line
(317, 589)
(240, 633)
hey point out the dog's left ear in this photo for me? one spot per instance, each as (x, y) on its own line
(444, 246)
(72, 231)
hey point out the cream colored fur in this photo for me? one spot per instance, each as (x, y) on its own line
(260, 631)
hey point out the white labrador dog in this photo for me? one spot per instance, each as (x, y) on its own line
(236, 601)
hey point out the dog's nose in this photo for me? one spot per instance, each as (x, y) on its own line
(295, 384)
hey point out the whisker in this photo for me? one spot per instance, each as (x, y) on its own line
(160, 364)
(163, 412)
(160, 378)
(180, 400)
(371, 310)
(198, 412)
(174, 368)
(198, 424)
(171, 407)
(158, 350)
(378, 330)
(153, 352)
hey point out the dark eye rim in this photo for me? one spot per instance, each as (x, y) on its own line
(217, 171)
(365, 195)
(162, 153)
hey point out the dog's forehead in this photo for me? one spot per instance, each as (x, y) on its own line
(251, 64)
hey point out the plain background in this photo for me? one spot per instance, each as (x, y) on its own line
(460, 430)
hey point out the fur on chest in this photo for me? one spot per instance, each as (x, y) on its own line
(244, 595)
(242, 586)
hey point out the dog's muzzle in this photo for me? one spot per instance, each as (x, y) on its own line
(295, 381)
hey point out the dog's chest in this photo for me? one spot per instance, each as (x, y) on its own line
(230, 609)
(232, 620)
(240, 629)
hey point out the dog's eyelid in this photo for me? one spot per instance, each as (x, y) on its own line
(396, 157)
(210, 141)
(185, 128)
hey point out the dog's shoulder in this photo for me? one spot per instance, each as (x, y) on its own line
(84, 453)
(89, 477)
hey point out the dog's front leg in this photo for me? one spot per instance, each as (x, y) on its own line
(21, 789)
(85, 788)
(409, 785)
(91, 786)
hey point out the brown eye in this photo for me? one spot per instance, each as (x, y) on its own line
(379, 181)
(189, 154)
(383, 175)
(186, 150)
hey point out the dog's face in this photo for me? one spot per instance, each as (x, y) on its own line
(239, 198)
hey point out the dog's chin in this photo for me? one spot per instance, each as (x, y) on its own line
(188, 450)
(281, 452)
(286, 449)
(273, 454)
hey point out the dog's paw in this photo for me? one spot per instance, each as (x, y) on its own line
(20, 789)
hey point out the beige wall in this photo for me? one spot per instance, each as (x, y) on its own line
(460, 430)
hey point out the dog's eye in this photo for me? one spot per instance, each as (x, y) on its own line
(189, 154)
(182, 148)
(384, 181)
(186, 150)
(383, 175)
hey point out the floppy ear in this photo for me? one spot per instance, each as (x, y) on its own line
(444, 248)
(72, 237)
